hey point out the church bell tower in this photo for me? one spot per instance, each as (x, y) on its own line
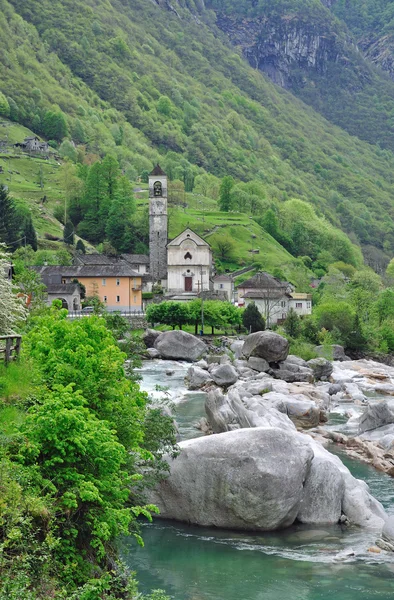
(158, 225)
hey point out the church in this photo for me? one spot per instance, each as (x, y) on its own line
(183, 267)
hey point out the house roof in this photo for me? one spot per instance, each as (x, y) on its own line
(95, 259)
(63, 289)
(120, 269)
(157, 171)
(184, 235)
(222, 278)
(301, 296)
(263, 280)
(265, 294)
(136, 259)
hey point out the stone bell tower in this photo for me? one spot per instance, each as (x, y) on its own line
(158, 225)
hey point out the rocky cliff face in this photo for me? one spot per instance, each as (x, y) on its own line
(380, 51)
(279, 45)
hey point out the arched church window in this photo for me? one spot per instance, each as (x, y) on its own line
(188, 256)
(157, 189)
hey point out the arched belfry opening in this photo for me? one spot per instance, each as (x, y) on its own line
(157, 189)
(188, 256)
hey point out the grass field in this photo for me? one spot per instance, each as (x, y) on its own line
(30, 178)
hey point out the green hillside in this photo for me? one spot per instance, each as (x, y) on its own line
(148, 85)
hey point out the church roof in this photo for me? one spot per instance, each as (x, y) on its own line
(188, 234)
(157, 171)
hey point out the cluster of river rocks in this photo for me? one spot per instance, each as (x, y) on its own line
(260, 472)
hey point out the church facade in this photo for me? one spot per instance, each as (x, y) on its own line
(189, 264)
(182, 266)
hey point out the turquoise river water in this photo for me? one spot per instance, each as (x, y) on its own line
(299, 563)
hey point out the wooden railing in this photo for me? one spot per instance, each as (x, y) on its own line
(11, 349)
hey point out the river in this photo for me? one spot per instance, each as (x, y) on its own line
(299, 563)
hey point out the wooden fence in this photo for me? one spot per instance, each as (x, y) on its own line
(11, 348)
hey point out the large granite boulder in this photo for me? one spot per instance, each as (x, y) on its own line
(388, 530)
(197, 377)
(266, 344)
(295, 360)
(323, 494)
(258, 364)
(179, 345)
(374, 416)
(152, 353)
(293, 374)
(321, 367)
(249, 479)
(224, 375)
(332, 352)
(150, 336)
(300, 409)
(360, 507)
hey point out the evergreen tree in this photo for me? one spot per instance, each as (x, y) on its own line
(68, 233)
(94, 205)
(118, 225)
(29, 233)
(80, 247)
(9, 227)
(356, 340)
(292, 324)
(225, 193)
(4, 106)
(252, 319)
(110, 172)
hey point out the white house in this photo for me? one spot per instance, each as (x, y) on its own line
(189, 264)
(225, 285)
(273, 297)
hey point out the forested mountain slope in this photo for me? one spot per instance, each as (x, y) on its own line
(372, 23)
(302, 46)
(150, 83)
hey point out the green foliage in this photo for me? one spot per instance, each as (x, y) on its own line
(252, 319)
(223, 247)
(302, 349)
(84, 463)
(4, 106)
(9, 226)
(68, 233)
(28, 233)
(292, 324)
(216, 314)
(74, 466)
(54, 125)
(80, 247)
(384, 305)
(337, 318)
(225, 193)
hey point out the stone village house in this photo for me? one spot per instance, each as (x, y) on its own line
(33, 144)
(117, 285)
(273, 297)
